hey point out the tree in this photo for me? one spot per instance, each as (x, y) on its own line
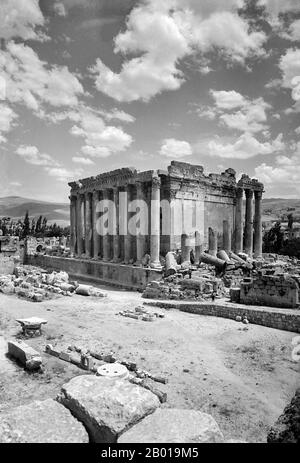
(291, 248)
(38, 226)
(26, 226)
(290, 221)
(273, 239)
(32, 230)
(44, 225)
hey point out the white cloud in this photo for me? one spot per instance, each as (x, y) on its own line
(32, 156)
(95, 151)
(294, 30)
(206, 112)
(162, 33)
(33, 82)
(59, 9)
(7, 119)
(274, 84)
(248, 116)
(19, 19)
(246, 146)
(175, 149)
(100, 139)
(62, 174)
(81, 160)
(290, 67)
(275, 7)
(118, 115)
(285, 174)
(228, 99)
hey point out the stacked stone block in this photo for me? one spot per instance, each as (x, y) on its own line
(270, 290)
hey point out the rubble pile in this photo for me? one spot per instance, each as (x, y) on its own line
(199, 288)
(216, 276)
(36, 284)
(96, 358)
(141, 313)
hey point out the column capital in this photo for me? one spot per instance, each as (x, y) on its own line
(239, 192)
(156, 182)
(258, 194)
(249, 193)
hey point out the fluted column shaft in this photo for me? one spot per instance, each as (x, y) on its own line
(239, 221)
(127, 237)
(88, 224)
(212, 242)
(80, 224)
(185, 248)
(96, 236)
(249, 223)
(140, 236)
(226, 236)
(106, 237)
(155, 223)
(73, 231)
(198, 246)
(257, 225)
(115, 226)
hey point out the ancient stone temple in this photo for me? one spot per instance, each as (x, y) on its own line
(182, 200)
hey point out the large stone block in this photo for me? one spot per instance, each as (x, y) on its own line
(25, 354)
(174, 425)
(106, 407)
(41, 422)
(287, 427)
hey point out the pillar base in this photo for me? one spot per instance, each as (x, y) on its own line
(156, 265)
(138, 264)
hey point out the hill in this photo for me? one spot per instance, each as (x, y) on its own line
(15, 207)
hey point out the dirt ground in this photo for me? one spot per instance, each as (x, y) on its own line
(243, 379)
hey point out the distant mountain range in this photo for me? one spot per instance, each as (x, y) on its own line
(15, 207)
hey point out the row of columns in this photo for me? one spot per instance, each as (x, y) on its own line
(85, 239)
(252, 242)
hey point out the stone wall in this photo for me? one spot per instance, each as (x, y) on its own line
(125, 276)
(287, 320)
(270, 290)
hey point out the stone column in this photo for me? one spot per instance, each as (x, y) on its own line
(140, 237)
(73, 231)
(226, 236)
(249, 223)
(106, 237)
(79, 225)
(257, 225)
(239, 221)
(127, 237)
(96, 236)
(115, 226)
(212, 242)
(198, 246)
(185, 248)
(88, 225)
(155, 223)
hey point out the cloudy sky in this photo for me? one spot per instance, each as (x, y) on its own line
(88, 86)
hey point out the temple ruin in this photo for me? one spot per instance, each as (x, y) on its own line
(212, 204)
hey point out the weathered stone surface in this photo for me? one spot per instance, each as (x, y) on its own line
(107, 407)
(174, 425)
(25, 354)
(287, 427)
(41, 422)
